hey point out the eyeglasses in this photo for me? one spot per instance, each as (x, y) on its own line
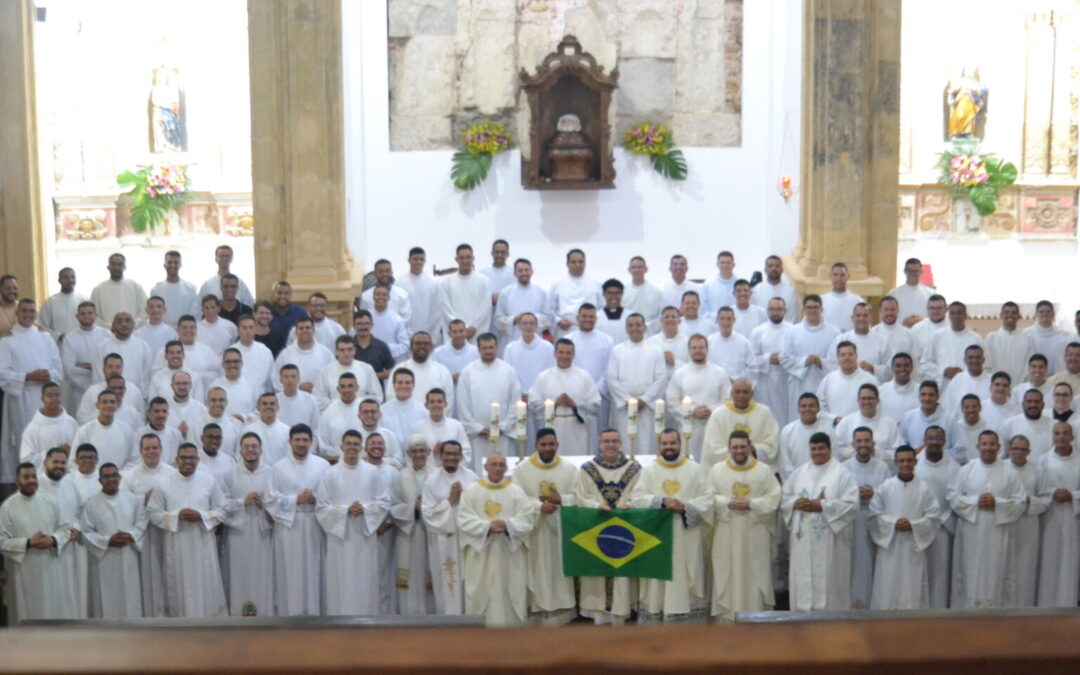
(232, 362)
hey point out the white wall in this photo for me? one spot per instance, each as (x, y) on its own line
(401, 199)
(978, 270)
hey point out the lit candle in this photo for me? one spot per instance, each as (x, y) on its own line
(687, 416)
(549, 413)
(522, 421)
(631, 417)
(659, 409)
(496, 410)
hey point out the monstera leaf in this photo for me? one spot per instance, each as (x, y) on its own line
(671, 165)
(469, 170)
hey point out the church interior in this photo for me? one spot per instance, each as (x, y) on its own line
(314, 138)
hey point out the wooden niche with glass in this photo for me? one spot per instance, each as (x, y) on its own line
(569, 145)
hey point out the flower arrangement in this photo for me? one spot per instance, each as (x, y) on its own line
(480, 142)
(656, 141)
(967, 172)
(156, 190)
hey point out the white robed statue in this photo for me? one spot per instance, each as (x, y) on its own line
(819, 506)
(549, 480)
(495, 520)
(904, 520)
(676, 483)
(746, 499)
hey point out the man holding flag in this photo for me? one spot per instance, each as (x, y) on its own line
(676, 483)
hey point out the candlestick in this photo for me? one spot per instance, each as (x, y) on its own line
(687, 422)
(549, 413)
(660, 408)
(631, 418)
(522, 421)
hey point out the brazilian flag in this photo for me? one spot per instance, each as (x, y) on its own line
(619, 543)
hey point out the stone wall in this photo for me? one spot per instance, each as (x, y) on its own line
(454, 61)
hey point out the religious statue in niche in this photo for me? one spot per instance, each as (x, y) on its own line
(569, 151)
(569, 145)
(965, 102)
(168, 119)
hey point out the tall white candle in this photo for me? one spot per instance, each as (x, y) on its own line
(687, 416)
(496, 411)
(522, 420)
(631, 417)
(660, 408)
(549, 413)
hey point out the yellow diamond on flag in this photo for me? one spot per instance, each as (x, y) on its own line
(616, 541)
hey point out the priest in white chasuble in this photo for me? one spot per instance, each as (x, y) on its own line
(113, 527)
(819, 505)
(1059, 489)
(495, 520)
(988, 500)
(188, 505)
(745, 414)
(904, 519)
(298, 539)
(249, 531)
(439, 503)
(704, 383)
(32, 537)
(551, 482)
(484, 382)
(746, 499)
(636, 370)
(869, 472)
(29, 359)
(352, 503)
(605, 482)
(142, 480)
(677, 483)
(412, 574)
(574, 395)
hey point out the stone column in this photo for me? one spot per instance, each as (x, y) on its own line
(1061, 123)
(1038, 94)
(850, 145)
(298, 156)
(22, 247)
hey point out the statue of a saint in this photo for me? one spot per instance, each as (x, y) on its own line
(966, 98)
(569, 151)
(167, 123)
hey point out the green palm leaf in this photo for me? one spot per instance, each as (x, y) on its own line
(469, 170)
(671, 165)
